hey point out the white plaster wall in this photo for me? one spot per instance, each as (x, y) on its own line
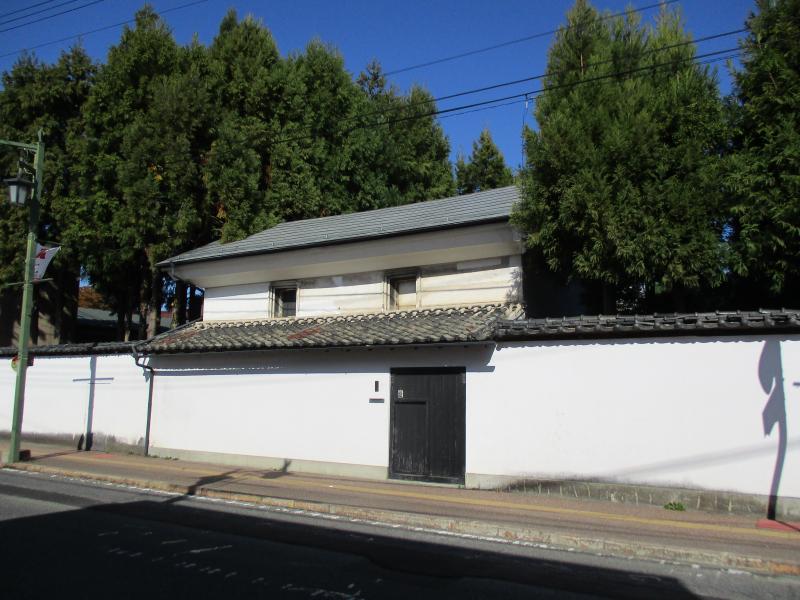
(338, 294)
(398, 252)
(496, 280)
(685, 411)
(460, 284)
(7, 377)
(306, 405)
(236, 302)
(57, 404)
(671, 411)
(120, 406)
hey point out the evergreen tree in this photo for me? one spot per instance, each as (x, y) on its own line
(298, 138)
(170, 147)
(486, 168)
(621, 182)
(248, 87)
(404, 154)
(145, 135)
(763, 175)
(48, 97)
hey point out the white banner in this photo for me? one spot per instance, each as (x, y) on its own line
(43, 257)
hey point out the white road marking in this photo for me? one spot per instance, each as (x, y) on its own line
(199, 550)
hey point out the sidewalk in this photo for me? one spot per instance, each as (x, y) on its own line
(625, 530)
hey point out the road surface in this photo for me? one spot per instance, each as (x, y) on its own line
(61, 537)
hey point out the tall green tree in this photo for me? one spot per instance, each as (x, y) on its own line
(247, 82)
(485, 170)
(402, 150)
(621, 182)
(49, 97)
(142, 197)
(764, 169)
(299, 138)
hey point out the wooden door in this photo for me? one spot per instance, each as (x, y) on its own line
(427, 441)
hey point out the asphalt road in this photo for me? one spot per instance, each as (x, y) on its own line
(63, 538)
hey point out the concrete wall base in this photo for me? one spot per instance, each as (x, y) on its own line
(288, 465)
(100, 441)
(691, 499)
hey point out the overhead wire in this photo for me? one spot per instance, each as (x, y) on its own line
(537, 93)
(53, 16)
(38, 12)
(528, 38)
(99, 29)
(520, 96)
(19, 10)
(463, 109)
(543, 75)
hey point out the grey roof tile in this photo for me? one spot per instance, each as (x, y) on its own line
(84, 349)
(469, 209)
(649, 325)
(429, 326)
(440, 325)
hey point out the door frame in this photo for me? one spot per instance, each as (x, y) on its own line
(458, 480)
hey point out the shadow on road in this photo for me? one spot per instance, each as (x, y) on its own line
(163, 549)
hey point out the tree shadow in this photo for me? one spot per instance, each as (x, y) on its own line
(770, 374)
(36, 457)
(277, 473)
(169, 549)
(202, 482)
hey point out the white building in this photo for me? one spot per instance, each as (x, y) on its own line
(393, 343)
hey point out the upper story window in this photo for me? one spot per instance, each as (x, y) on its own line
(402, 291)
(284, 300)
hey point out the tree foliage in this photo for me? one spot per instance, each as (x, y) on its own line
(167, 147)
(48, 97)
(621, 182)
(764, 168)
(638, 177)
(485, 170)
(141, 197)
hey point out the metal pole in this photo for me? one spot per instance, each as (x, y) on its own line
(27, 306)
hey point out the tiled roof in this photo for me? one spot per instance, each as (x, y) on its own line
(88, 349)
(649, 325)
(445, 325)
(429, 326)
(469, 209)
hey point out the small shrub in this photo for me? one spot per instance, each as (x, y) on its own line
(675, 506)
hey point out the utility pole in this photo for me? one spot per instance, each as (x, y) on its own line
(18, 195)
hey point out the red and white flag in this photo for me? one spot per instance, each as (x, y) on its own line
(43, 257)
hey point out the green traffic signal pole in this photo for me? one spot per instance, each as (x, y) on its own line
(27, 293)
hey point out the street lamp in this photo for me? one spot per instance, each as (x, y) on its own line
(19, 189)
(23, 192)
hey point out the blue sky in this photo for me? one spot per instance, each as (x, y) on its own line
(398, 33)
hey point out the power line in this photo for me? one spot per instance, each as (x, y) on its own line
(38, 12)
(98, 30)
(543, 75)
(519, 97)
(542, 34)
(19, 10)
(54, 15)
(530, 95)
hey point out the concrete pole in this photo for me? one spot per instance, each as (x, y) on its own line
(27, 306)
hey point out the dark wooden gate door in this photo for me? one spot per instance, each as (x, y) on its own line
(428, 425)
